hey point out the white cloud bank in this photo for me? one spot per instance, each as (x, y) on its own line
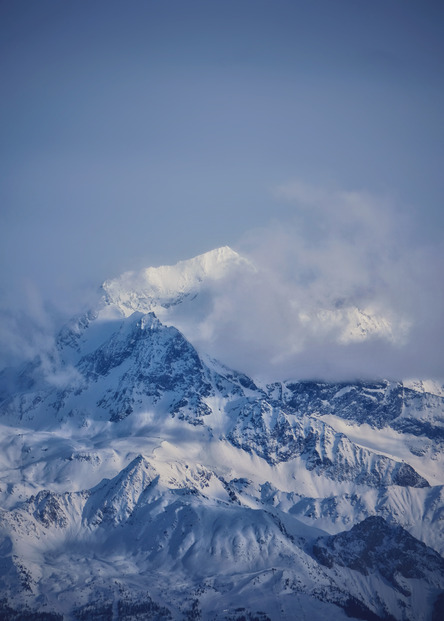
(341, 291)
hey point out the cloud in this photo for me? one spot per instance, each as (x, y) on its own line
(26, 328)
(28, 333)
(342, 291)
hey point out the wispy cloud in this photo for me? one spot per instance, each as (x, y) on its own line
(29, 334)
(342, 291)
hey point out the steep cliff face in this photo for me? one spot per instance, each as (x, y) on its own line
(374, 547)
(281, 436)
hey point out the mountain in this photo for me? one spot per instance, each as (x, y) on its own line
(142, 479)
(157, 288)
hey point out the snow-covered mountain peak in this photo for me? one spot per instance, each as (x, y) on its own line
(167, 285)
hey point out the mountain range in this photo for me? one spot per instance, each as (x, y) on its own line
(140, 478)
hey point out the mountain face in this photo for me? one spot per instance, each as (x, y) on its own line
(141, 479)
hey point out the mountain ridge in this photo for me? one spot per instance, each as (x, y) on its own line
(152, 463)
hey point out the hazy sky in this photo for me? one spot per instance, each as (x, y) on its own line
(143, 132)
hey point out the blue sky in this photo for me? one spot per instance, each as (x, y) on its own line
(143, 132)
